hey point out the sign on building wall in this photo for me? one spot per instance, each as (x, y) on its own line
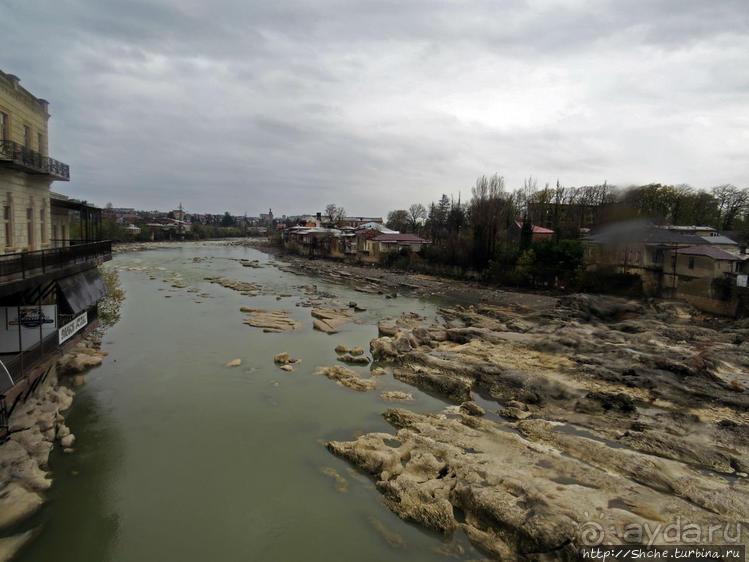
(741, 280)
(68, 330)
(27, 322)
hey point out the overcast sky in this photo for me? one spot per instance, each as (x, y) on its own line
(246, 105)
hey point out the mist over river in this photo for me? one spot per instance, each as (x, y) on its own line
(180, 458)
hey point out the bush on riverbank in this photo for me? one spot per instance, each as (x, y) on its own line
(109, 305)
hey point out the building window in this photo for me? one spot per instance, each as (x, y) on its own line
(8, 229)
(27, 136)
(54, 235)
(3, 126)
(691, 263)
(40, 141)
(30, 227)
(43, 223)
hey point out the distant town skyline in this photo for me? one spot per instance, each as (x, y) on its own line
(374, 106)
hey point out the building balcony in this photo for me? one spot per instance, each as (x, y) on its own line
(19, 270)
(15, 155)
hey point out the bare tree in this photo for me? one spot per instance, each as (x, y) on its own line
(416, 213)
(490, 211)
(334, 214)
(732, 203)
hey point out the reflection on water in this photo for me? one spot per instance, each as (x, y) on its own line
(180, 458)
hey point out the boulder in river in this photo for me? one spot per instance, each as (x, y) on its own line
(393, 395)
(472, 409)
(387, 327)
(347, 377)
(354, 360)
(328, 320)
(271, 322)
(16, 504)
(9, 546)
(282, 358)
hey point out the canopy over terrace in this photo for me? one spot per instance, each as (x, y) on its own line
(86, 217)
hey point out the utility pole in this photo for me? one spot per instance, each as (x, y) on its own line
(180, 224)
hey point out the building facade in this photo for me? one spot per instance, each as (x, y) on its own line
(26, 169)
(49, 251)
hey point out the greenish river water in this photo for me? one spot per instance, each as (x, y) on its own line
(179, 458)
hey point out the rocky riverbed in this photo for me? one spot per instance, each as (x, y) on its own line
(521, 426)
(603, 420)
(599, 420)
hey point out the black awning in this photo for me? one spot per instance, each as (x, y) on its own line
(82, 290)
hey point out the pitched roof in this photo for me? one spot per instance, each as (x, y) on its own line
(536, 229)
(723, 240)
(403, 237)
(709, 251)
(638, 231)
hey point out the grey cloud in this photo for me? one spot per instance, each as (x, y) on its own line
(375, 105)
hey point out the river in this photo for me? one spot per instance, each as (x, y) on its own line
(180, 458)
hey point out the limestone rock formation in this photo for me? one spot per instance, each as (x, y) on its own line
(347, 377)
(328, 320)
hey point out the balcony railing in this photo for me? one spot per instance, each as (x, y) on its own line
(24, 265)
(31, 161)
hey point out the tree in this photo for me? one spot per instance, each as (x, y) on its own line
(397, 220)
(526, 234)
(733, 203)
(334, 214)
(490, 210)
(416, 214)
(227, 220)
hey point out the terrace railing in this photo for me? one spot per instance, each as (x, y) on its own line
(20, 156)
(24, 265)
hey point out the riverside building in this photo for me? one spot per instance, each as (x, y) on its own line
(50, 248)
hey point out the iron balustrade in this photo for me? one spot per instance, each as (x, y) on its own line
(25, 265)
(32, 161)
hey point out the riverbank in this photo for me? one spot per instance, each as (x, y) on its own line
(375, 279)
(37, 425)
